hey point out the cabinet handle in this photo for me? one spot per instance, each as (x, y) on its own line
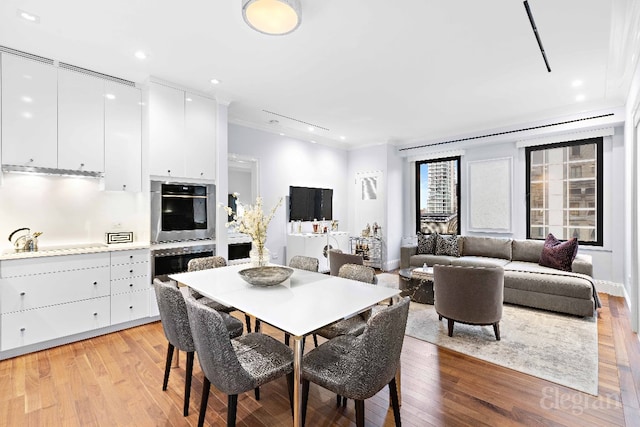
(23, 329)
(130, 307)
(131, 285)
(95, 283)
(81, 165)
(124, 186)
(22, 294)
(201, 173)
(30, 160)
(95, 314)
(131, 271)
(169, 171)
(130, 256)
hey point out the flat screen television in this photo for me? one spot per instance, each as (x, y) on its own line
(308, 203)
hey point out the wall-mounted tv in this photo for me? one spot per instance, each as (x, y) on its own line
(308, 203)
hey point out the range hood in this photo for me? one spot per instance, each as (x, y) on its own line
(50, 171)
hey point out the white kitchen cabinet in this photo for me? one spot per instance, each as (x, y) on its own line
(315, 245)
(130, 284)
(166, 131)
(123, 141)
(29, 112)
(200, 136)
(80, 121)
(182, 133)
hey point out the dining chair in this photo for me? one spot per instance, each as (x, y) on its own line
(337, 259)
(236, 365)
(205, 263)
(175, 323)
(303, 263)
(359, 367)
(354, 325)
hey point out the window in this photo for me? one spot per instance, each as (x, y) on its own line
(564, 191)
(438, 196)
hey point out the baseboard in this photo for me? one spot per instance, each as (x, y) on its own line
(610, 288)
(392, 265)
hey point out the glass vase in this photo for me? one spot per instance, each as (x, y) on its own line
(259, 256)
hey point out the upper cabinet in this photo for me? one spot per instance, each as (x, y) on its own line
(29, 113)
(81, 105)
(182, 133)
(123, 141)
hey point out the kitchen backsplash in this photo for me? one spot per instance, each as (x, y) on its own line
(69, 210)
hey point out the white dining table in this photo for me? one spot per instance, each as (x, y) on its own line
(301, 304)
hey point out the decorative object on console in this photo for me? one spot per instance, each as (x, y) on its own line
(120, 237)
(254, 223)
(557, 254)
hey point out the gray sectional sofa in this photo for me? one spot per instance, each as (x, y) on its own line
(525, 281)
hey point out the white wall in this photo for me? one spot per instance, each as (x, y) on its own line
(69, 210)
(607, 260)
(286, 161)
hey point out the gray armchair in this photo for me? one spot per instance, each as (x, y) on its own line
(175, 323)
(472, 295)
(234, 366)
(359, 367)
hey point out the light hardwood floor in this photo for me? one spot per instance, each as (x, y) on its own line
(116, 380)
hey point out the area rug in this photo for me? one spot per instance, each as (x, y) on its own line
(559, 348)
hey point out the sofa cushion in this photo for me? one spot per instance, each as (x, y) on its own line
(569, 286)
(430, 260)
(427, 243)
(487, 247)
(557, 254)
(447, 245)
(479, 261)
(526, 250)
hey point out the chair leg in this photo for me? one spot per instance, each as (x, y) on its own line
(305, 399)
(394, 402)
(359, 413)
(187, 382)
(315, 340)
(450, 323)
(167, 367)
(439, 317)
(344, 401)
(257, 325)
(256, 391)
(287, 339)
(232, 408)
(206, 385)
(338, 400)
(290, 389)
(247, 320)
(496, 330)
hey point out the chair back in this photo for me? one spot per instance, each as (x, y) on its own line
(471, 294)
(361, 273)
(205, 263)
(337, 259)
(377, 354)
(173, 314)
(216, 354)
(304, 263)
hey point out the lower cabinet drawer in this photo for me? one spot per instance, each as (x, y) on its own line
(33, 326)
(130, 306)
(130, 285)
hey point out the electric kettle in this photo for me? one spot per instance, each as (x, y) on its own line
(27, 242)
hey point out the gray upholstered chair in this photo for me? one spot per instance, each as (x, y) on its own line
(354, 325)
(304, 263)
(205, 263)
(337, 259)
(175, 323)
(472, 295)
(238, 365)
(359, 367)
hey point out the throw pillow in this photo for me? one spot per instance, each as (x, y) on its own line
(447, 245)
(427, 243)
(557, 254)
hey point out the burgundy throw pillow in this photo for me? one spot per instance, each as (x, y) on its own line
(557, 254)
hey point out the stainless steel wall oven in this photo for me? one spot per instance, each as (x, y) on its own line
(182, 211)
(175, 260)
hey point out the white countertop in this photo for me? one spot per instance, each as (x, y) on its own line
(72, 249)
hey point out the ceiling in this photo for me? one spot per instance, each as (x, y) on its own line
(359, 72)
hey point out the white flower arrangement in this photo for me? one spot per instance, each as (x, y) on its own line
(252, 222)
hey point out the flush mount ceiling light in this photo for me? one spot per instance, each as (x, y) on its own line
(274, 17)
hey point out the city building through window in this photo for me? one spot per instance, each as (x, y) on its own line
(438, 196)
(564, 191)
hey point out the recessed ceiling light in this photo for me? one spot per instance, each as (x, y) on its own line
(215, 81)
(110, 96)
(189, 99)
(311, 129)
(281, 134)
(342, 137)
(29, 16)
(26, 99)
(576, 83)
(312, 141)
(140, 54)
(580, 98)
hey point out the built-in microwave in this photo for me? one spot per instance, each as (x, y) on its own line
(182, 211)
